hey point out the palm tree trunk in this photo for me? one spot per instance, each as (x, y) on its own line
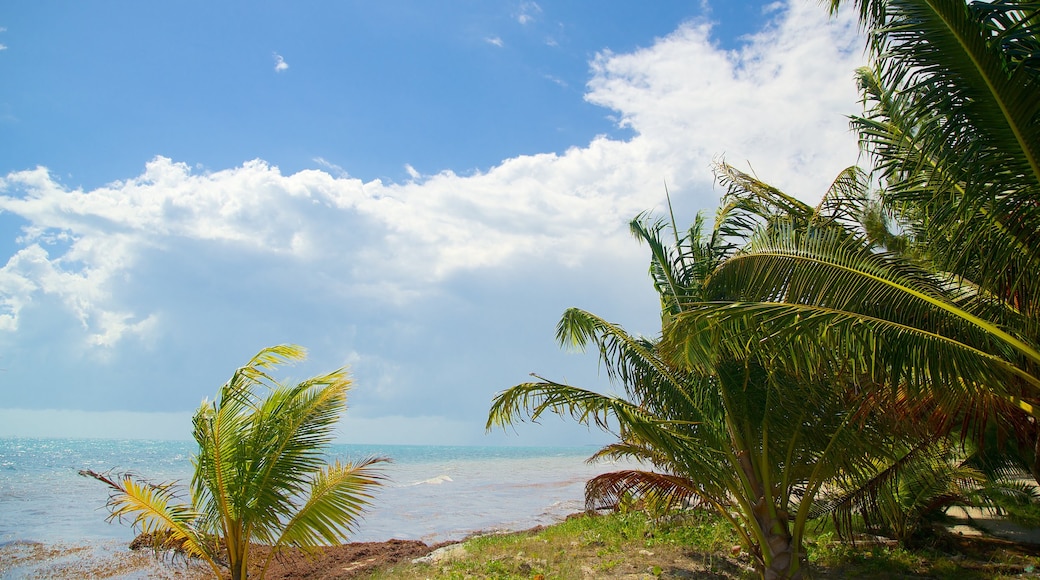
(1035, 467)
(780, 559)
(238, 570)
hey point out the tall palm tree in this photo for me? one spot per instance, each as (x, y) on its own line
(260, 472)
(719, 427)
(953, 127)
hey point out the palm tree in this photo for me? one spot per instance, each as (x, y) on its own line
(951, 319)
(260, 472)
(720, 427)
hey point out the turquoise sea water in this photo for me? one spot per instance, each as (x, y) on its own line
(434, 493)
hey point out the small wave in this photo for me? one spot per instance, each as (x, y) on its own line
(432, 481)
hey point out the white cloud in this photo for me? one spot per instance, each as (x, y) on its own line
(778, 103)
(495, 41)
(528, 12)
(3, 47)
(334, 169)
(556, 80)
(279, 63)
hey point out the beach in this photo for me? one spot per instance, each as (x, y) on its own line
(52, 521)
(24, 559)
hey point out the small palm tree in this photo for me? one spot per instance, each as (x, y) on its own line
(260, 472)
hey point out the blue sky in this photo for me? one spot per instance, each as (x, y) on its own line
(414, 189)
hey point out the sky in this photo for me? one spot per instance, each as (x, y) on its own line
(413, 189)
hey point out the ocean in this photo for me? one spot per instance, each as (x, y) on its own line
(434, 493)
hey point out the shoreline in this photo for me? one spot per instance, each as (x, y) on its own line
(968, 535)
(28, 559)
(119, 560)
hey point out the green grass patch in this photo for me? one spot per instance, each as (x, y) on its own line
(700, 544)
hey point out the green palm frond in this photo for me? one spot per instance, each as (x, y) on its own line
(631, 450)
(845, 201)
(584, 406)
(685, 441)
(799, 285)
(749, 202)
(155, 509)
(291, 430)
(337, 489)
(954, 123)
(632, 361)
(901, 494)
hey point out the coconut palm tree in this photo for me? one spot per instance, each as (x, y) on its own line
(723, 428)
(952, 319)
(260, 472)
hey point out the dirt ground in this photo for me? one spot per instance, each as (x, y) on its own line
(343, 561)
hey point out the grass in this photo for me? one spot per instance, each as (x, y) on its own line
(591, 547)
(700, 544)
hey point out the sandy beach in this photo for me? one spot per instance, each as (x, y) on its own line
(106, 560)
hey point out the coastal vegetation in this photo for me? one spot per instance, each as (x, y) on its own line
(260, 477)
(883, 346)
(697, 544)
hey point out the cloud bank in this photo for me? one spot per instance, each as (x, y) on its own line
(144, 261)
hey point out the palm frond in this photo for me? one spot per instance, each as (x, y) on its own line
(610, 488)
(631, 361)
(802, 285)
(154, 509)
(337, 490)
(954, 123)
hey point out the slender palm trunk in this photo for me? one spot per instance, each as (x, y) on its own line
(1035, 467)
(780, 559)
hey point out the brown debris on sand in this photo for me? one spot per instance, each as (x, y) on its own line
(343, 561)
(351, 560)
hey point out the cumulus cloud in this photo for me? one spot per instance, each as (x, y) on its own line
(779, 103)
(495, 41)
(279, 63)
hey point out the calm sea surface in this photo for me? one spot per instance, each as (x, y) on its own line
(435, 493)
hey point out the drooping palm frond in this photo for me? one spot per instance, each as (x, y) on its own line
(611, 488)
(845, 202)
(588, 408)
(906, 492)
(749, 203)
(155, 510)
(835, 299)
(954, 124)
(635, 363)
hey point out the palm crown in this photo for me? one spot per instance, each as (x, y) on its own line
(260, 471)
